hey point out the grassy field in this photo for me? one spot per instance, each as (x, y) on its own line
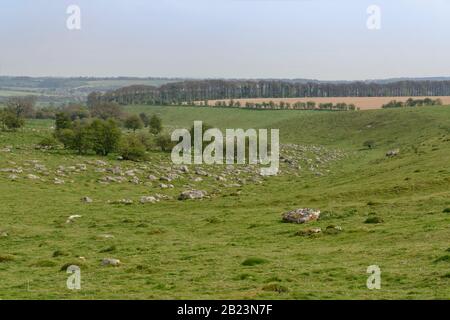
(234, 245)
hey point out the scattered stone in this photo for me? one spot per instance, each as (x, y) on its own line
(13, 177)
(122, 201)
(32, 177)
(166, 186)
(148, 199)
(111, 262)
(392, 153)
(192, 194)
(106, 236)
(135, 180)
(309, 232)
(58, 181)
(184, 169)
(301, 215)
(72, 218)
(152, 177)
(86, 200)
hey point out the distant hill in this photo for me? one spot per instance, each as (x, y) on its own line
(157, 90)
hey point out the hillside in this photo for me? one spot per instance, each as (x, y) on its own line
(234, 245)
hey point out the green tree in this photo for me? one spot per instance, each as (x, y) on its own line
(131, 148)
(145, 119)
(62, 121)
(164, 142)
(155, 124)
(105, 135)
(79, 138)
(105, 110)
(11, 120)
(133, 122)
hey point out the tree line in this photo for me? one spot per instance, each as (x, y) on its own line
(190, 91)
(413, 103)
(282, 105)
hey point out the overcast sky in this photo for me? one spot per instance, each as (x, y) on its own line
(319, 39)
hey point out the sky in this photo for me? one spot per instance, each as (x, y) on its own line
(311, 39)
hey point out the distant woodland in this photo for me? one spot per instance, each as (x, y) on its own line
(193, 91)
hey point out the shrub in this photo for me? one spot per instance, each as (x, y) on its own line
(164, 142)
(370, 144)
(62, 121)
(133, 122)
(446, 210)
(145, 119)
(105, 110)
(275, 287)
(253, 261)
(374, 220)
(48, 143)
(147, 140)
(105, 136)
(131, 148)
(155, 124)
(11, 120)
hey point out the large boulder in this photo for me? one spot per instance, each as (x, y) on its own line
(192, 194)
(301, 215)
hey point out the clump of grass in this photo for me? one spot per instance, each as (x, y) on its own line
(446, 210)
(445, 258)
(371, 203)
(44, 264)
(275, 287)
(59, 253)
(73, 263)
(374, 220)
(108, 249)
(6, 258)
(244, 276)
(253, 261)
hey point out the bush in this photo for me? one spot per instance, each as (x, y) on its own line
(374, 220)
(78, 138)
(48, 143)
(155, 124)
(370, 144)
(105, 136)
(105, 110)
(164, 142)
(253, 261)
(11, 120)
(446, 210)
(145, 119)
(147, 140)
(131, 148)
(133, 122)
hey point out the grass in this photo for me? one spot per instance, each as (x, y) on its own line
(234, 245)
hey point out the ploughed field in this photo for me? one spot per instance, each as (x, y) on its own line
(59, 209)
(364, 103)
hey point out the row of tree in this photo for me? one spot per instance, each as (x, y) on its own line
(190, 91)
(282, 105)
(413, 103)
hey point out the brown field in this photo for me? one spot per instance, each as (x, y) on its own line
(364, 103)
